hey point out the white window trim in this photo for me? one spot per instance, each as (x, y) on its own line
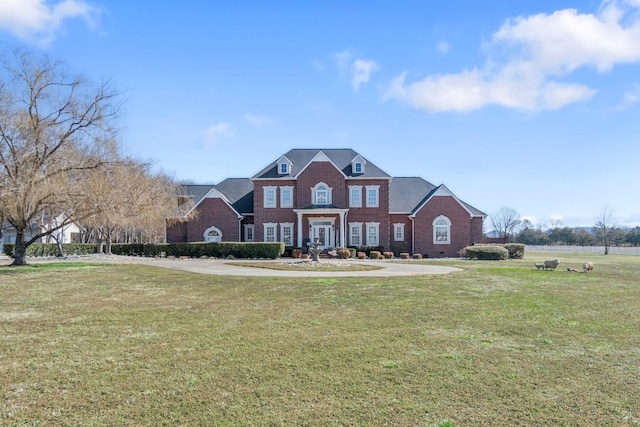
(267, 225)
(377, 201)
(282, 227)
(282, 191)
(357, 225)
(377, 227)
(352, 202)
(448, 225)
(314, 199)
(283, 170)
(265, 191)
(398, 227)
(248, 227)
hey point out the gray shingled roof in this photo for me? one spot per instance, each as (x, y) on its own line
(239, 192)
(341, 157)
(407, 193)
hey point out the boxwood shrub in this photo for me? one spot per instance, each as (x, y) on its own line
(487, 252)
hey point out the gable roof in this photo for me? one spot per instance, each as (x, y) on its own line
(237, 192)
(442, 190)
(301, 157)
(406, 193)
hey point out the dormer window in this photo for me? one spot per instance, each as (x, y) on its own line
(321, 194)
(357, 165)
(284, 166)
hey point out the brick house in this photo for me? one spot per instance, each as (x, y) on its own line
(337, 197)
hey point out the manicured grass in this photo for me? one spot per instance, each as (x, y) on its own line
(499, 343)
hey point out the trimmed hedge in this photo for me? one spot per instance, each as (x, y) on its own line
(216, 250)
(516, 250)
(487, 252)
(51, 249)
(191, 250)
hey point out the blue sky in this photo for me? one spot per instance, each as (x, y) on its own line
(529, 104)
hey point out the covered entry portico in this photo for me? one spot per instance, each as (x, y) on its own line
(327, 224)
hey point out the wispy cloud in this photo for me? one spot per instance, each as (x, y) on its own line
(362, 69)
(630, 98)
(258, 121)
(526, 59)
(443, 47)
(37, 22)
(358, 69)
(214, 132)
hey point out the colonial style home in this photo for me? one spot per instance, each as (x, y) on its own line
(335, 197)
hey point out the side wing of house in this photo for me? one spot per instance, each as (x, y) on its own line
(217, 213)
(443, 225)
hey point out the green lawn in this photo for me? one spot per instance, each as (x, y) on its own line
(498, 344)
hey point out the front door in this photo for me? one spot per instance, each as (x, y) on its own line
(323, 235)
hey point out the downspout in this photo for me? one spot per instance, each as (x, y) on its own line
(413, 235)
(240, 218)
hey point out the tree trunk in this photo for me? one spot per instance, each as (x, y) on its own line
(59, 245)
(20, 249)
(100, 246)
(108, 246)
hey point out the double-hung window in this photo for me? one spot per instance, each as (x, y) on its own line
(270, 232)
(398, 232)
(270, 197)
(372, 233)
(286, 197)
(355, 233)
(373, 196)
(355, 196)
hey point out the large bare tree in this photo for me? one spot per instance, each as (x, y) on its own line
(54, 129)
(504, 221)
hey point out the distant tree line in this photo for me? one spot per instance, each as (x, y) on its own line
(508, 224)
(569, 236)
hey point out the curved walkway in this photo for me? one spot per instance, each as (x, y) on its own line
(223, 268)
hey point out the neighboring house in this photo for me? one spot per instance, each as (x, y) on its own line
(65, 234)
(337, 197)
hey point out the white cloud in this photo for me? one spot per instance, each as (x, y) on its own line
(258, 121)
(36, 21)
(359, 70)
(214, 132)
(362, 69)
(443, 47)
(528, 55)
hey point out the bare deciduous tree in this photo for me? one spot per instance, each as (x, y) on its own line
(53, 129)
(605, 227)
(126, 196)
(505, 221)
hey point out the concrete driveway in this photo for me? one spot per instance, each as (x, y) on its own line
(223, 268)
